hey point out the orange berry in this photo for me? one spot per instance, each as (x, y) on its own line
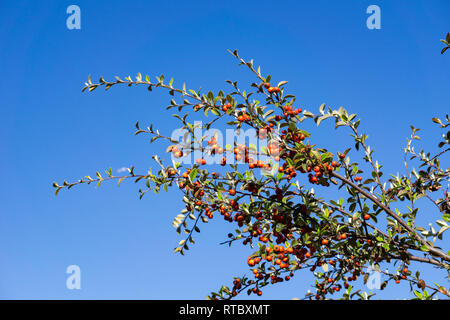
(178, 154)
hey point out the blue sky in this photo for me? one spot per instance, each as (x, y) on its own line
(50, 131)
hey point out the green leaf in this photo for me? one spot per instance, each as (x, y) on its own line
(193, 174)
(322, 108)
(417, 294)
(437, 120)
(308, 114)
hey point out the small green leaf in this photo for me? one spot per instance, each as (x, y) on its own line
(193, 174)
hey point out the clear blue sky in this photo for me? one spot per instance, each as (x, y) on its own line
(50, 131)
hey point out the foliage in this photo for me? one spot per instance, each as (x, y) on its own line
(446, 42)
(291, 226)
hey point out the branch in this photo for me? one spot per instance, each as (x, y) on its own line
(368, 195)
